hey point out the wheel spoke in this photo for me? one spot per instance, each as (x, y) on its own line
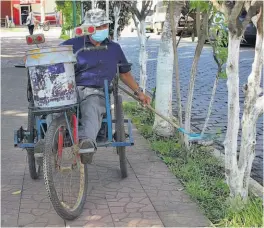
(67, 180)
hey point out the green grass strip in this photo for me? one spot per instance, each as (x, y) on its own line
(200, 173)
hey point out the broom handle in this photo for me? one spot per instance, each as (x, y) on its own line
(149, 107)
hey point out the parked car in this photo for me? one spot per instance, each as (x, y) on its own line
(148, 21)
(185, 26)
(250, 33)
(159, 17)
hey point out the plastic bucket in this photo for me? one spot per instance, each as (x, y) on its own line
(52, 76)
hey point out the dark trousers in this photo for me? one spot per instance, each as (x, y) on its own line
(31, 29)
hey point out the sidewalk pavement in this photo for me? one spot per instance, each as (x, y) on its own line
(150, 196)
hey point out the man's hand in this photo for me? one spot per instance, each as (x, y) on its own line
(128, 79)
(144, 98)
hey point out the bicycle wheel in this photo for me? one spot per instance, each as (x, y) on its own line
(34, 167)
(61, 161)
(120, 135)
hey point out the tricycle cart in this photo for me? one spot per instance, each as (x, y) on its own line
(51, 90)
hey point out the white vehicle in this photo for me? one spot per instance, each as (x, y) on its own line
(159, 16)
(148, 21)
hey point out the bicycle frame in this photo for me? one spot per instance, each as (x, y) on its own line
(21, 134)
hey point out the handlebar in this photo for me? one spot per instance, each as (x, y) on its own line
(124, 64)
(91, 49)
(20, 66)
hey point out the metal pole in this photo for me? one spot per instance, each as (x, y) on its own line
(74, 12)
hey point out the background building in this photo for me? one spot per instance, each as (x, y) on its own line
(17, 10)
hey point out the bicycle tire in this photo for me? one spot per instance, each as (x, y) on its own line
(62, 211)
(120, 135)
(34, 168)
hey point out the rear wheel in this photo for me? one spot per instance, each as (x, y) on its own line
(66, 178)
(120, 135)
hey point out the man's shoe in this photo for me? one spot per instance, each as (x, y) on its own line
(87, 150)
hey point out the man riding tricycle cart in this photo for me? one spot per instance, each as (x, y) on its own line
(69, 92)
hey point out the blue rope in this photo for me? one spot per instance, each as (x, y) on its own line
(194, 136)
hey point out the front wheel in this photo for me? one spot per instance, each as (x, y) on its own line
(120, 135)
(66, 178)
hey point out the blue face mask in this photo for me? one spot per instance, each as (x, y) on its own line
(100, 35)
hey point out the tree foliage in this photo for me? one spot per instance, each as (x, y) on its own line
(66, 8)
(203, 5)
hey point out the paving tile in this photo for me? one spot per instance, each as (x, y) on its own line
(91, 218)
(143, 219)
(9, 220)
(149, 196)
(171, 219)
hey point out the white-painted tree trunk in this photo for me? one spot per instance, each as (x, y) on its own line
(176, 63)
(163, 103)
(233, 176)
(143, 56)
(82, 11)
(93, 4)
(107, 8)
(42, 10)
(253, 107)
(116, 16)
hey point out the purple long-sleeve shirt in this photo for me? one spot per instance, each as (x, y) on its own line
(102, 63)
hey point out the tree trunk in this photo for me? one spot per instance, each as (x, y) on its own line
(176, 63)
(198, 21)
(163, 102)
(143, 56)
(253, 106)
(219, 69)
(198, 51)
(82, 11)
(233, 175)
(107, 8)
(42, 10)
(116, 16)
(136, 25)
(93, 4)
(210, 104)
